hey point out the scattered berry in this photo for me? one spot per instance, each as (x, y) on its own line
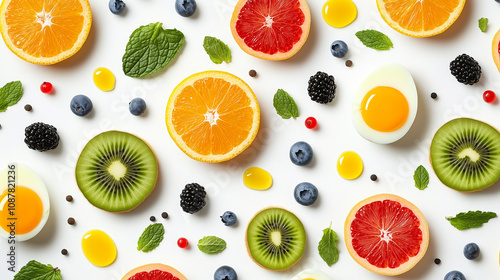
(339, 48)
(64, 252)
(322, 88)
(71, 220)
(185, 8)
(81, 105)
(301, 153)
(152, 218)
(489, 96)
(46, 87)
(69, 198)
(373, 177)
(229, 218)
(454, 275)
(465, 69)
(41, 137)
(116, 6)
(348, 63)
(252, 73)
(182, 242)
(305, 193)
(311, 123)
(437, 261)
(225, 273)
(28, 107)
(164, 215)
(193, 198)
(434, 95)
(471, 251)
(137, 106)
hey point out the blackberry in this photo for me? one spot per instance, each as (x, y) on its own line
(465, 69)
(193, 198)
(41, 137)
(322, 88)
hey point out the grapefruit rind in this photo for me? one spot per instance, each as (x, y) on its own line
(279, 55)
(387, 271)
(153, 266)
(495, 49)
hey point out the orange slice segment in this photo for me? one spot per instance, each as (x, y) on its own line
(420, 18)
(212, 116)
(45, 31)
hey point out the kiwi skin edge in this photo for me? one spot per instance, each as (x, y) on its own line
(248, 249)
(430, 159)
(156, 179)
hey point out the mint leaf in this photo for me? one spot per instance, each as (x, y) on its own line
(327, 246)
(374, 39)
(151, 238)
(35, 270)
(470, 219)
(149, 49)
(421, 177)
(285, 105)
(10, 94)
(211, 245)
(483, 22)
(217, 50)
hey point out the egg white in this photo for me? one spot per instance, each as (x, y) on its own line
(311, 274)
(26, 177)
(395, 76)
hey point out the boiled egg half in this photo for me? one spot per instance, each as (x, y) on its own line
(311, 274)
(385, 105)
(24, 203)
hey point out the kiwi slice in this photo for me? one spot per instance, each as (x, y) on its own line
(116, 171)
(465, 155)
(275, 239)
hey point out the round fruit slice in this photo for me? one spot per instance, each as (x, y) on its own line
(154, 271)
(45, 31)
(212, 116)
(271, 30)
(465, 155)
(420, 18)
(275, 239)
(496, 49)
(116, 171)
(386, 234)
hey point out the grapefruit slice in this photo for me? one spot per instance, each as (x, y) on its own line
(496, 49)
(154, 271)
(271, 30)
(386, 234)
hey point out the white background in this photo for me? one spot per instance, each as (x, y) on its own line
(427, 60)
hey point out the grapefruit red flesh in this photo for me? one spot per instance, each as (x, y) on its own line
(154, 271)
(386, 234)
(496, 49)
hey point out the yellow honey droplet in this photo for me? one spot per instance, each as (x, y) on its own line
(257, 179)
(349, 165)
(339, 13)
(104, 79)
(99, 248)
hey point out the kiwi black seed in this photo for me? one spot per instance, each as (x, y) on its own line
(275, 239)
(116, 171)
(465, 154)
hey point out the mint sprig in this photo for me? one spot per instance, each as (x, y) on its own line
(35, 270)
(211, 245)
(421, 177)
(216, 50)
(483, 22)
(471, 219)
(149, 49)
(151, 238)
(327, 246)
(374, 39)
(285, 105)
(10, 94)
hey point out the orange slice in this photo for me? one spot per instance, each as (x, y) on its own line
(212, 116)
(420, 18)
(45, 31)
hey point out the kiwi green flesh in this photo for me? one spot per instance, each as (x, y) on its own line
(116, 171)
(465, 155)
(276, 238)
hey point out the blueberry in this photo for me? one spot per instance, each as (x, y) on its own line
(229, 218)
(339, 48)
(185, 8)
(301, 153)
(471, 251)
(454, 275)
(225, 273)
(137, 106)
(81, 105)
(305, 193)
(116, 6)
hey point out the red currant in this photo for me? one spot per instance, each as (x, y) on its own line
(46, 87)
(489, 96)
(311, 123)
(182, 242)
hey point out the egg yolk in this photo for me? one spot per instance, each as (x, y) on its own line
(25, 209)
(349, 165)
(99, 248)
(104, 79)
(384, 109)
(257, 178)
(339, 13)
